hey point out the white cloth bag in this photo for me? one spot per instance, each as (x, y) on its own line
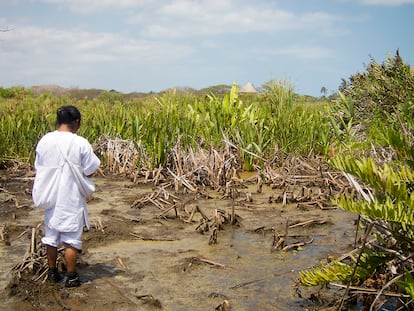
(46, 187)
(85, 184)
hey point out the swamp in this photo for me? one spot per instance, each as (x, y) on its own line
(146, 257)
(224, 201)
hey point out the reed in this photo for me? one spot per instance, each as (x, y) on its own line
(257, 125)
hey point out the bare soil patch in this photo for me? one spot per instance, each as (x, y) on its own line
(147, 259)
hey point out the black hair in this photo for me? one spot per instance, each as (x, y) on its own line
(68, 115)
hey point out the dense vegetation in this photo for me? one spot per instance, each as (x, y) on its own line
(259, 124)
(372, 114)
(382, 100)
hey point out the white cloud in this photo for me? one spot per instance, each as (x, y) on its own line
(181, 18)
(387, 2)
(88, 6)
(35, 53)
(73, 44)
(196, 18)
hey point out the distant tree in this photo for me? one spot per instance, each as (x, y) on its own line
(324, 90)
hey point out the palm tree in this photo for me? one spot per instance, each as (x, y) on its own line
(324, 90)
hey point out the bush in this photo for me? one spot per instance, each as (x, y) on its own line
(13, 92)
(381, 88)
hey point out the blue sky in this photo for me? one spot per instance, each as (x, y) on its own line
(152, 45)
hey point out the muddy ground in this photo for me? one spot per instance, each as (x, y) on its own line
(133, 259)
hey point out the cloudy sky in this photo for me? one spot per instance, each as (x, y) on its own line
(151, 45)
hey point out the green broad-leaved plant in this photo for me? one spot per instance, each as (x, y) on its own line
(408, 284)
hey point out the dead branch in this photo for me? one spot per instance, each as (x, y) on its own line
(210, 262)
(150, 239)
(369, 291)
(308, 222)
(382, 290)
(296, 245)
(224, 306)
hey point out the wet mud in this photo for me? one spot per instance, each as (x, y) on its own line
(145, 259)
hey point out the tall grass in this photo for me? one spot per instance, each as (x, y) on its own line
(257, 124)
(22, 122)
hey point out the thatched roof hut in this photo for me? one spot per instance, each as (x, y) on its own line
(248, 88)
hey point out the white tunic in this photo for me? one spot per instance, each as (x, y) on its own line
(57, 180)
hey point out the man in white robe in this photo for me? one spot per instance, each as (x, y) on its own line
(57, 191)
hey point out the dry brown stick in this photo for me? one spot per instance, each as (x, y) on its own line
(121, 262)
(284, 201)
(20, 235)
(288, 247)
(259, 184)
(224, 306)
(216, 264)
(249, 282)
(307, 222)
(178, 154)
(279, 240)
(101, 226)
(262, 228)
(149, 239)
(193, 210)
(161, 200)
(333, 180)
(369, 291)
(182, 180)
(157, 176)
(167, 210)
(125, 220)
(2, 230)
(213, 236)
(364, 243)
(145, 296)
(42, 275)
(188, 185)
(168, 195)
(380, 292)
(157, 204)
(202, 213)
(304, 223)
(33, 242)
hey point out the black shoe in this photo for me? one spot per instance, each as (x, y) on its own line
(53, 275)
(72, 279)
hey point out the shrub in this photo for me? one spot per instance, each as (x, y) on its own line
(381, 87)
